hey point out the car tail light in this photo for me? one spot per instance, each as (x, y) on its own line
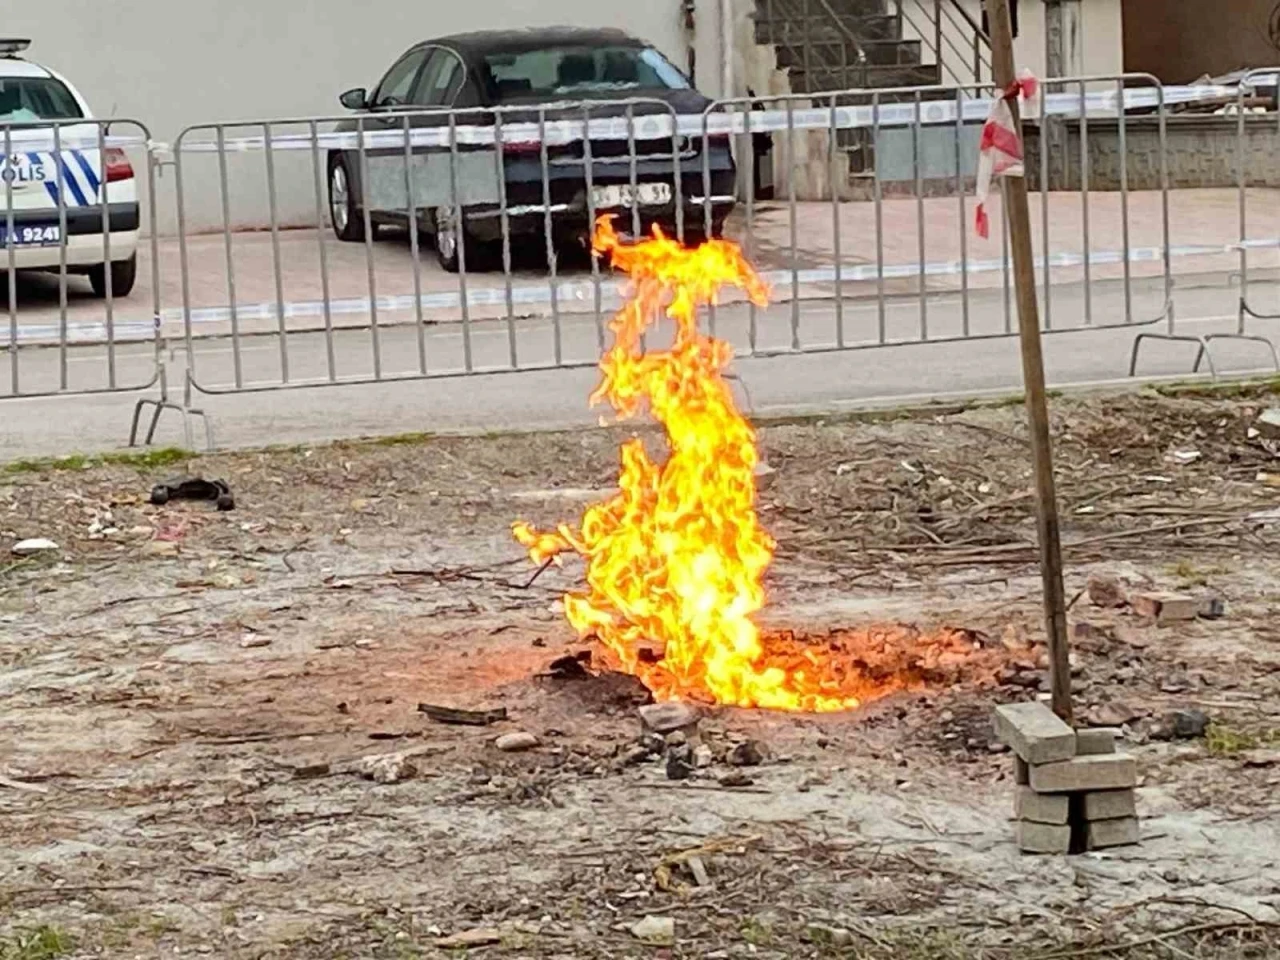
(117, 165)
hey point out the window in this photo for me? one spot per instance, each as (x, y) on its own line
(28, 99)
(441, 80)
(565, 71)
(397, 86)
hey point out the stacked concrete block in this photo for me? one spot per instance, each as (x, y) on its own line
(1074, 792)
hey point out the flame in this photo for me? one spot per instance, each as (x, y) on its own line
(675, 562)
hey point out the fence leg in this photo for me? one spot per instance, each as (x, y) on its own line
(159, 405)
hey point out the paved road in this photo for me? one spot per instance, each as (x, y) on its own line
(557, 397)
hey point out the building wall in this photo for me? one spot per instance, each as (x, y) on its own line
(1095, 48)
(1181, 41)
(170, 63)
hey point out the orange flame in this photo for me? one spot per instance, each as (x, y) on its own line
(676, 560)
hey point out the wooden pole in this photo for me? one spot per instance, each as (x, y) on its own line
(1015, 193)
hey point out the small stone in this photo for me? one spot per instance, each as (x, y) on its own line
(516, 742)
(822, 934)
(1100, 740)
(1105, 592)
(735, 778)
(1043, 837)
(249, 641)
(1188, 724)
(764, 475)
(669, 717)
(1107, 772)
(745, 754)
(656, 931)
(1035, 732)
(680, 763)
(160, 548)
(702, 756)
(1040, 807)
(1268, 423)
(1114, 714)
(1102, 834)
(386, 768)
(1110, 805)
(1215, 608)
(34, 547)
(1166, 607)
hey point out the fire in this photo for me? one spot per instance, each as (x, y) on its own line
(675, 562)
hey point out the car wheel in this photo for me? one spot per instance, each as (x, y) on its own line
(448, 239)
(348, 219)
(124, 274)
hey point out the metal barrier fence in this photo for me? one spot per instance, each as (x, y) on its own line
(503, 198)
(1248, 245)
(79, 201)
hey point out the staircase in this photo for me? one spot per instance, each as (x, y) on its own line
(828, 46)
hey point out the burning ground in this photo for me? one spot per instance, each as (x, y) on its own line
(189, 700)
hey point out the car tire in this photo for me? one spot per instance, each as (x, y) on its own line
(124, 274)
(346, 216)
(448, 240)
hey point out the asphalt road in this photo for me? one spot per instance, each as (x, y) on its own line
(828, 379)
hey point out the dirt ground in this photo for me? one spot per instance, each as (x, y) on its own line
(188, 700)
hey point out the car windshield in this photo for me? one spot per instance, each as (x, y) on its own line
(566, 71)
(30, 99)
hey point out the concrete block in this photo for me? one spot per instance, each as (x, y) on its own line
(1112, 833)
(1110, 805)
(1113, 771)
(1166, 607)
(1043, 837)
(1092, 743)
(1034, 732)
(1040, 807)
(1021, 772)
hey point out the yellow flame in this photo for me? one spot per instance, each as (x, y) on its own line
(675, 561)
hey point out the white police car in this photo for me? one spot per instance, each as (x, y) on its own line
(52, 198)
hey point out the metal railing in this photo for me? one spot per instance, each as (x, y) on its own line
(952, 39)
(501, 200)
(1249, 245)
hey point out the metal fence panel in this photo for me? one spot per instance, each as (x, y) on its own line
(81, 270)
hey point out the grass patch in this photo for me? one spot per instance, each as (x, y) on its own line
(42, 943)
(141, 460)
(1225, 741)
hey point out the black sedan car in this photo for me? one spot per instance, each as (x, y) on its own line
(524, 79)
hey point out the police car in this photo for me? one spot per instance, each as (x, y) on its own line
(51, 199)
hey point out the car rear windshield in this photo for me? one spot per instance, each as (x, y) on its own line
(31, 99)
(555, 72)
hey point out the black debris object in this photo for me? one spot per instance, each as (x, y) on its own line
(572, 667)
(194, 488)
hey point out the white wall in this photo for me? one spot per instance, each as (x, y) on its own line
(170, 63)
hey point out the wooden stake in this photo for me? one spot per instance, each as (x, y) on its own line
(1015, 194)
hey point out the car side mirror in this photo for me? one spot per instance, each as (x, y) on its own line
(356, 99)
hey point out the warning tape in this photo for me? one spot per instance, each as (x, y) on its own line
(1097, 104)
(581, 291)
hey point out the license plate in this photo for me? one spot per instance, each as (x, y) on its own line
(30, 235)
(627, 195)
